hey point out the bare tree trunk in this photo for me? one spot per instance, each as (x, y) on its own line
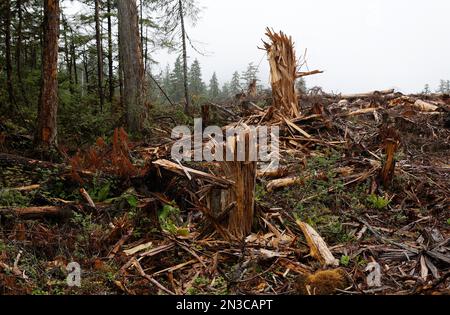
(141, 21)
(120, 71)
(99, 55)
(133, 67)
(19, 52)
(67, 55)
(187, 103)
(74, 57)
(146, 51)
(85, 66)
(46, 135)
(110, 54)
(8, 62)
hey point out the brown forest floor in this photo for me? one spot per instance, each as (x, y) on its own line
(403, 227)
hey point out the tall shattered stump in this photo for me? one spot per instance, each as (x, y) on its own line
(243, 174)
(238, 199)
(283, 73)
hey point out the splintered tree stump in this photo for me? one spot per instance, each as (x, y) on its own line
(391, 142)
(239, 199)
(388, 170)
(283, 73)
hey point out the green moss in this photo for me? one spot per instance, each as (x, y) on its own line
(12, 198)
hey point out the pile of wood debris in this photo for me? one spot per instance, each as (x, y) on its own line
(376, 163)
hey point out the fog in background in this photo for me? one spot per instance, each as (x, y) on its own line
(361, 45)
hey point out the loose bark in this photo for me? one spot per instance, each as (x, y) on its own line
(132, 65)
(98, 40)
(46, 135)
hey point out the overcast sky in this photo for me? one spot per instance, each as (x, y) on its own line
(361, 45)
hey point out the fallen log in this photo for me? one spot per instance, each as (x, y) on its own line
(361, 112)
(424, 106)
(272, 173)
(186, 171)
(368, 94)
(283, 182)
(37, 212)
(9, 159)
(25, 188)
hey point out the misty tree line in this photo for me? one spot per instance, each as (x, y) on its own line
(444, 88)
(200, 88)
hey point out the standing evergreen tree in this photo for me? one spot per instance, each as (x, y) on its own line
(98, 39)
(235, 84)
(225, 93)
(300, 85)
(176, 90)
(447, 87)
(176, 13)
(133, 66)
(442, 87)
(214, 89)
(249, 75)
(166, 79)
(196, 85)
(46, 134)
(426, 90)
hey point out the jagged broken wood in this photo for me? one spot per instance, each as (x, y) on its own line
(181, 170)
(242, 192)
(283, 73)
(317, 245)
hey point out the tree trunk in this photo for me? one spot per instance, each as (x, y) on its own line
(146, 51)
(133, 67)
(120, 72)
(187, 104)
(86, 67)
(74, 57)
(8, 62)
(141, 21)
(110, 54)
(46, 135)
(19, 52)
(99, 55)
(67, 55)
